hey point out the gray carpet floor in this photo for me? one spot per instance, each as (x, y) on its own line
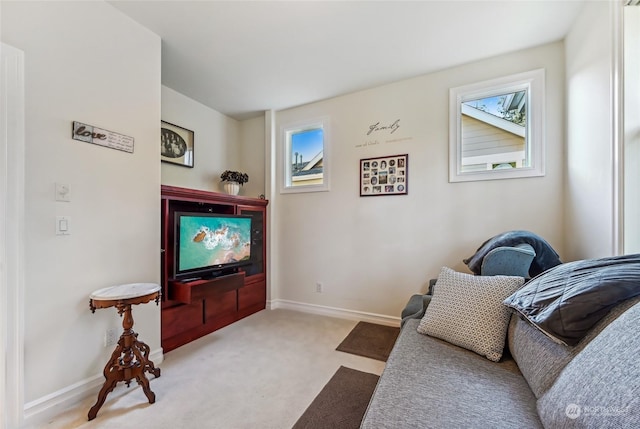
(261, 372)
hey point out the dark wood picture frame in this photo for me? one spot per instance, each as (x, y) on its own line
(176, 144)
(384, 175)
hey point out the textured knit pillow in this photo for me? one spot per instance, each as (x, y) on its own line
(467, 311)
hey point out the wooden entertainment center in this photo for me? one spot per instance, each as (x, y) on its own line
(192, 309)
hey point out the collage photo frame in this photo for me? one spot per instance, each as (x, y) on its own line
(385, 175)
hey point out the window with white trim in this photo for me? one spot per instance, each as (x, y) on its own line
(305, 157)
(496, 128)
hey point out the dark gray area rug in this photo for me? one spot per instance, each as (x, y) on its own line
(370, 340)
(341, 403)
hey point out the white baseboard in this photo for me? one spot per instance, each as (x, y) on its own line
(43, 409)
(340, 313)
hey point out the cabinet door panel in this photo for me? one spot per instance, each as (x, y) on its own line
(176, 320)
(252, 294)
(220, 304)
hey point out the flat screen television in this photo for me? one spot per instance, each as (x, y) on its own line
(210, 243)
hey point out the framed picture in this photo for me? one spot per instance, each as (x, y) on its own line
(385, 175)
(176, 144)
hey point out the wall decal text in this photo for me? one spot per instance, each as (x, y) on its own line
(377, 127)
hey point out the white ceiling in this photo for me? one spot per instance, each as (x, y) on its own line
(241, 58)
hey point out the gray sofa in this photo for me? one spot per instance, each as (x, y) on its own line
(430, 383)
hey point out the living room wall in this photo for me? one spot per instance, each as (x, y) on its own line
(372, 253)
(84, 61)
(252, 155)
(216, 142)
(221, 143)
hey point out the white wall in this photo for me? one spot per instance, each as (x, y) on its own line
(373, 253)
(589, 161)
(632, 129)
(85, 61)
(216, 143)
(252, 155)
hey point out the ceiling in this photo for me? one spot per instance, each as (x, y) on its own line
(242, 58)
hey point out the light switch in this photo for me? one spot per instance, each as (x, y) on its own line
(63, 226)
(63, 192)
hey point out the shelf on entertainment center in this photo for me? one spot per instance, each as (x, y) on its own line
(189, 291)
(191, 309)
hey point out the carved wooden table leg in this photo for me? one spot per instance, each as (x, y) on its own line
(130, 359)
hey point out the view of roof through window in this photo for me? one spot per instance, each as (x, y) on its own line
(511, 107)
(307, 157)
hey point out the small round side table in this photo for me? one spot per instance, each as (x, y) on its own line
(130, 359)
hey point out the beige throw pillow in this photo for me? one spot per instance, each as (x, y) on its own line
(467, 310)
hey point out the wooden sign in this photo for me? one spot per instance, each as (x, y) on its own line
(90, 134)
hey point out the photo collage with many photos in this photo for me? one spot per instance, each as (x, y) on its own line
(384, 175)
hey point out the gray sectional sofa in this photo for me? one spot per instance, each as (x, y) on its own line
(430, 383)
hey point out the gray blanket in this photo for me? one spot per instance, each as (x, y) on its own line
(568, 300)
(545, 257)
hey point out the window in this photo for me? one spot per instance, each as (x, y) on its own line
(305, 157)
(496, 128)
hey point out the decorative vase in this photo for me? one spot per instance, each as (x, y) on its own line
(231, 188)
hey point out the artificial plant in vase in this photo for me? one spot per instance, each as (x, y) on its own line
(233, 180)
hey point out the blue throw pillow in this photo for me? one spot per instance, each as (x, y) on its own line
(566, 301)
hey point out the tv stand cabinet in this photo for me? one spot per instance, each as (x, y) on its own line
(192, 309)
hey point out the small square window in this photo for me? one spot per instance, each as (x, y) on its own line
(305, 157)
(497, 128)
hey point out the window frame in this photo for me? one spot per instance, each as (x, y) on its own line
(534, 82)
(286, 131)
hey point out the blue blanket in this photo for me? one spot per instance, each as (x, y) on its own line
(545, 258)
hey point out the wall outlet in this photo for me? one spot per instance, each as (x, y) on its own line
(110, 337)
(318, 287)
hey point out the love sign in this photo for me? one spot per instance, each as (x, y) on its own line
(95, 135)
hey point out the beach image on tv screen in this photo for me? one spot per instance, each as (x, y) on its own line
(206, 241)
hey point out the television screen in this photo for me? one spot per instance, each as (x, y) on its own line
(208, 242)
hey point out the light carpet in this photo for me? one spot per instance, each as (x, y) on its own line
(261, 372)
